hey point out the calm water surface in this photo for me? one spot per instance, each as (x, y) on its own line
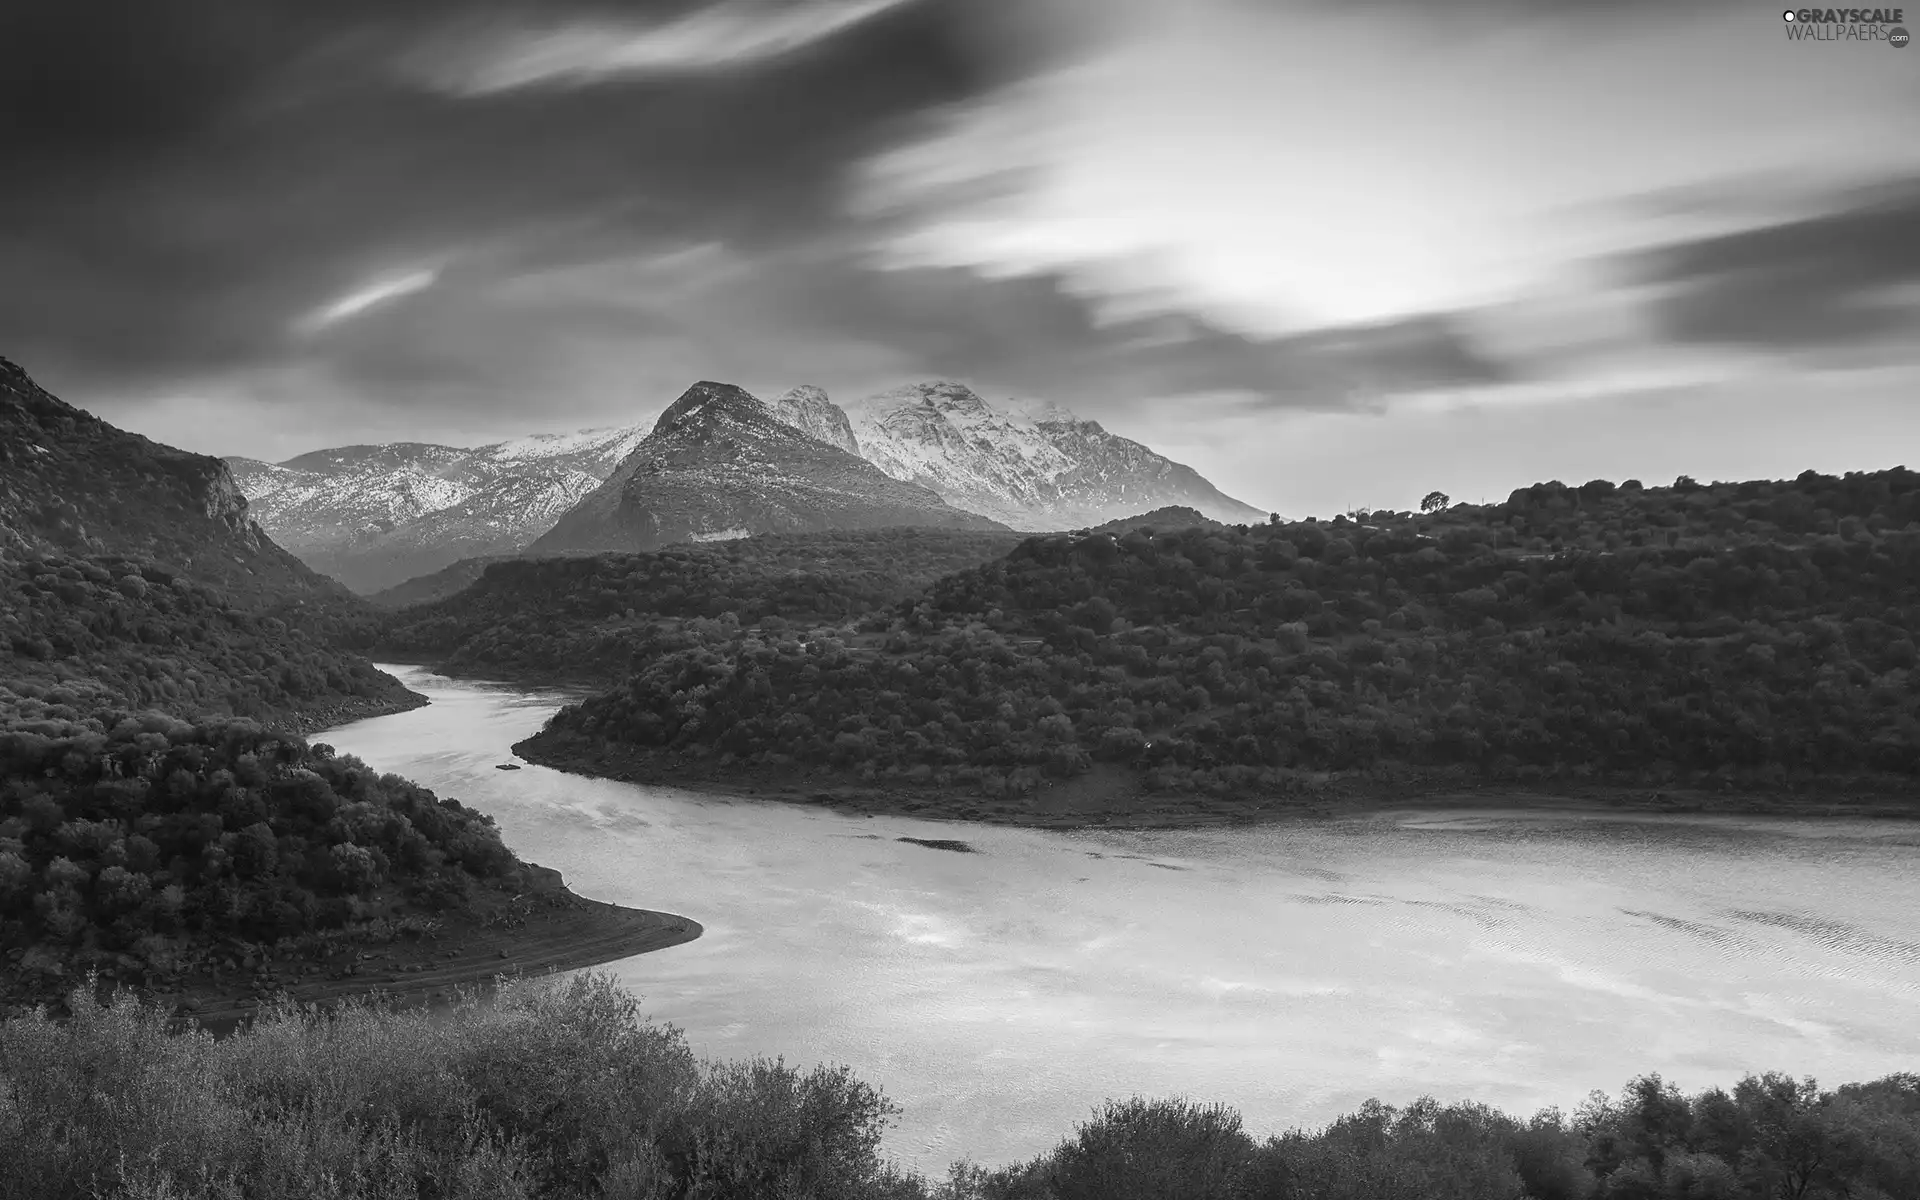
(1292, 970)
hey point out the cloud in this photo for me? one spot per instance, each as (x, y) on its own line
(371, 295)
(1842, 277)
(276, 163)
(731, 34)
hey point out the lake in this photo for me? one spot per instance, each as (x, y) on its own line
(1291, 970)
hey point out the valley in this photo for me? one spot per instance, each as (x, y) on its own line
(771, 647)
(865, 600)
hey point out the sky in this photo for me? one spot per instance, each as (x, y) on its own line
(1331, 254)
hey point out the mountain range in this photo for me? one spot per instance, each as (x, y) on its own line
(372, 516)
(376, 516)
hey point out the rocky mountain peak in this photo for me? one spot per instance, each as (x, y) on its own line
(706, 403)
(721, 463)
(1033, 466)
(808, 409)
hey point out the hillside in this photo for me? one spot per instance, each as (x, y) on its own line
(589, 617)
(1171, 517)
(1756, 635)
(72, 483)
(131, 573)
(718, 463)
(426, 589)
(375, 516)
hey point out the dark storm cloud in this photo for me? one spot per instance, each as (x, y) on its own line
(187, 177)
(194, 180)
(1844, 276)
(820, 314)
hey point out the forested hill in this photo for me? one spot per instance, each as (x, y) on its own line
(588, 617)
(146, 848)
(1755, 633)
(131, 575)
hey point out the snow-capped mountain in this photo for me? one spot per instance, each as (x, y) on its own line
(372, 516)
(807, 409)
(1033, 468)
(720, 463)
(375, 516)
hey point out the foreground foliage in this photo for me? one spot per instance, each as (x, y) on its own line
(137, 845)
(559, 1090)
(1755, 634)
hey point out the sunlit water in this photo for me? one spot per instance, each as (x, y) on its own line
(1291, 970)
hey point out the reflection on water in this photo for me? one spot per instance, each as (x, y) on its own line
(1291, 970)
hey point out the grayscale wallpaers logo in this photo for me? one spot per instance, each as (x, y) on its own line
(1847, 25)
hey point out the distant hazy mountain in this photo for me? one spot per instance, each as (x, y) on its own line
(1037, 469)
(373, 516)
(719, 463)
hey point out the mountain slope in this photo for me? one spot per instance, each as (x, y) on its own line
(374, 516)
(131, 573)
(72, 483)
(720, 463)
(1039, 470)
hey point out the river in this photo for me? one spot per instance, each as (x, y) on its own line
(1291, 970)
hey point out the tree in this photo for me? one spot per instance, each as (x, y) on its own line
(1434, 501)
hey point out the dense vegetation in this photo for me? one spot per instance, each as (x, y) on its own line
(595, 617)
(1172, 517)
(1760, 633)
(111, 630)
(137, 845)
(559, 1091)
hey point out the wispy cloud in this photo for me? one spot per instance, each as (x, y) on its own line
(730, 34)
(371, 295)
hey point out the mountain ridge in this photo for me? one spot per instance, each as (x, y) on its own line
(374, 516)
(1037, 469)
(720, 462)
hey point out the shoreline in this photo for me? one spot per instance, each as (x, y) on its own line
(565, 933)
(308, 723)
(1113, 799)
